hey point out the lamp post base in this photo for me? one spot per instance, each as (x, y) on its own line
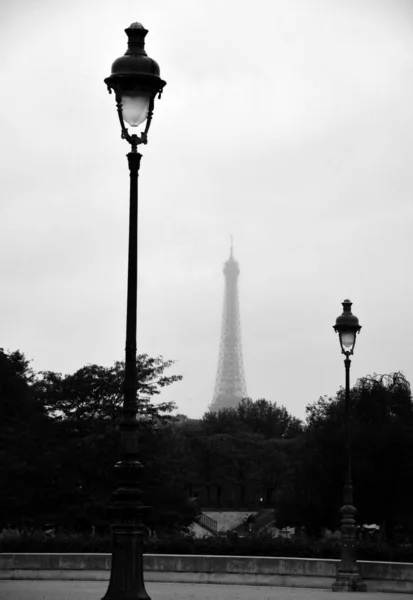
(348, 577)
(126, 578)
(349, 581)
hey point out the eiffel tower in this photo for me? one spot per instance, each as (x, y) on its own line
(230, 383)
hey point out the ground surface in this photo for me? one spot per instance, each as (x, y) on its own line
(88, 590)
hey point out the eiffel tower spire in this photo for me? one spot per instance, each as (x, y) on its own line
(230, 383)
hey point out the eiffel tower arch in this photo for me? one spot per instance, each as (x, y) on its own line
(230, 382)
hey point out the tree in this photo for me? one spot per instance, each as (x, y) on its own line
(87, 406)
(241, 451)
(383, 450)
(27, 460)
(59, 442)
(382, 458)
(165, 477)
(261, 417)
(95, 392)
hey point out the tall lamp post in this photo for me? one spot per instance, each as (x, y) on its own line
(136, 82)
(348, 574)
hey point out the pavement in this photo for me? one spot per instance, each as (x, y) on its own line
(88, 590)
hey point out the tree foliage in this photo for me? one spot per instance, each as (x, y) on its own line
(96, 392)
(241, 452)
(26, 459)
(59, 442)
(382, 458)
(260, 417)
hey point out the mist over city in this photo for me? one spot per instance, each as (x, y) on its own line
(284, 124)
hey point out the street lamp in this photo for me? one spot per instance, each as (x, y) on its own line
(348, 575)
(136, 82)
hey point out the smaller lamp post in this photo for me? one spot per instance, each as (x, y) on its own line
(348, 574)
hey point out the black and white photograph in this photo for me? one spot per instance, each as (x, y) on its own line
(206, 323)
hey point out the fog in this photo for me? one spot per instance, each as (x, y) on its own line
(286, 123)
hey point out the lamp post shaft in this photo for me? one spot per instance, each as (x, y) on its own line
(126, 577)
(348, 574)
(347, 363)
(130, 383)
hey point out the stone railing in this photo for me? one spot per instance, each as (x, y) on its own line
(207, 522)
(244, 570)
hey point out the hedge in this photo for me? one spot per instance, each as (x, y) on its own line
(187, 544)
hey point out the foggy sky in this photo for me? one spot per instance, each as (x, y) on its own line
(287, 123)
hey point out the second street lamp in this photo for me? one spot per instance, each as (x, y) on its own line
(136, 82)
(348, 574)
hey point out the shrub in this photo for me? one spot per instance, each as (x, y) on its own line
(60, 542)
(187, 544)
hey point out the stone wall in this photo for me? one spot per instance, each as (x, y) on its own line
(244, 570)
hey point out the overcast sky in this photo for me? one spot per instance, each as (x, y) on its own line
(287, 123)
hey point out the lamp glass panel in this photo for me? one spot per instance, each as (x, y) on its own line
(347, 339)
(134, 108)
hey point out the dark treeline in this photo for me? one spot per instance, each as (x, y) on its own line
(59, 442)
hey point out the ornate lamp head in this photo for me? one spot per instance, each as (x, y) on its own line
(347, 326)
(136, 82)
